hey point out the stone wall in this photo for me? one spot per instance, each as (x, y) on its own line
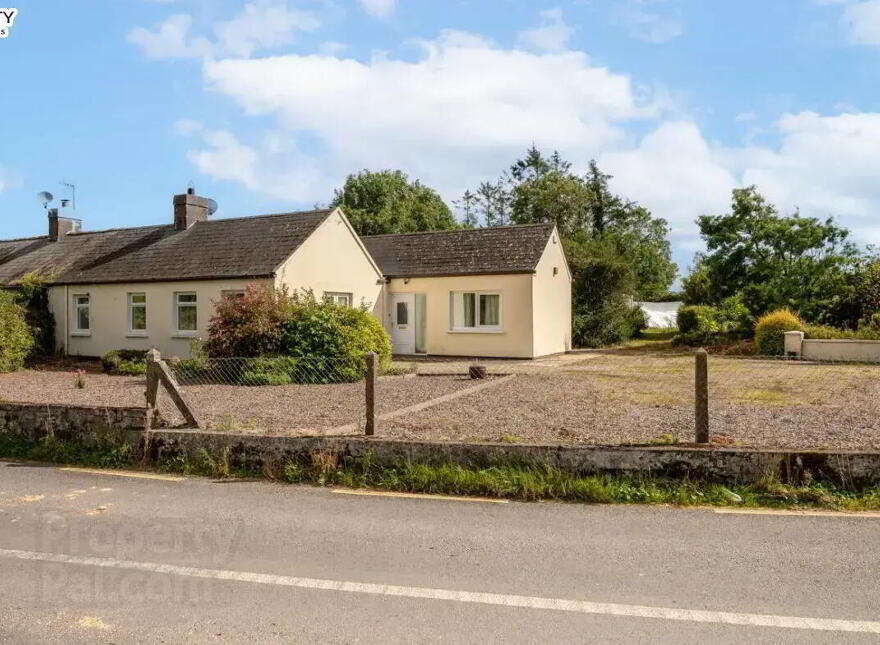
(714, 464)
(815, 349)
(66, 421)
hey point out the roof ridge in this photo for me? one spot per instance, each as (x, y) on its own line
(462, 230)
(25, 239)
(155, 226)
(314, 211)
(119, 228)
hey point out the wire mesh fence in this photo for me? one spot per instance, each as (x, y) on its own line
(609, 397)
(794, 402)
(627, 396)
(268, 371)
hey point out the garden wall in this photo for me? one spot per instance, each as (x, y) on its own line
(863, 351)
(36, 420)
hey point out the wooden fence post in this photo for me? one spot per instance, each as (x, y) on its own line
(153, 358)
(370, 388)
(701, 396)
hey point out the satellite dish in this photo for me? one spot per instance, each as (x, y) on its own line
(45, 197)
(212, 206)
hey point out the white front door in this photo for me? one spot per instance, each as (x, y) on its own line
(403, 324)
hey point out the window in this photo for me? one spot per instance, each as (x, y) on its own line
(137, 313)
(233, 293)
(475, 310)
(338, 298)
(185, 312)
(81, 320)
(402, 313)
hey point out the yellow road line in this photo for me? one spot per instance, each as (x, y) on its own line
(446, 498)
(125, 473)
(775, 511)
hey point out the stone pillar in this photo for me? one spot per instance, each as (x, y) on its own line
(793, 343)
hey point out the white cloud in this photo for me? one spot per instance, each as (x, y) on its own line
(824, 165)
(464, 99)
(379, 8)
(673, 171)
(464, 109)
(646, 20)
(552, 35)
(862, 21)
(273, 167)
(170, 39)
(263, 24)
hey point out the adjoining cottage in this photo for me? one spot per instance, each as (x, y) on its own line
(499, 292)
(494, 292)
(136, 288)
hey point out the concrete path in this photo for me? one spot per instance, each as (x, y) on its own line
(91, 557)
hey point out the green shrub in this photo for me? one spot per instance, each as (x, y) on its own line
(16, 337)
(265, 377)
(33, 294)
(298, 338)
(770, 331)
(112, 362)
(133, 368)
(827, 332)
(334, 338)
(701, 318)
(603, 311)
(735, 318)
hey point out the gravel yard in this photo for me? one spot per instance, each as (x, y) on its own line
(614, 398)
(285, 409)
(603, 397)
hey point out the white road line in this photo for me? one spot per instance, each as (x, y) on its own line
(441, 498)
(503, 600)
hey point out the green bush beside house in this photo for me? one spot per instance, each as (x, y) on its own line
(295, 338)
(16, 336)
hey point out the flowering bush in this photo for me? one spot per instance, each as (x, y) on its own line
(272, 323)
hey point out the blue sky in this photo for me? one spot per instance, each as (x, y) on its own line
(267, 105)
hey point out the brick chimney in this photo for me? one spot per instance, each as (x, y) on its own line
(61, 226)
(190, 208)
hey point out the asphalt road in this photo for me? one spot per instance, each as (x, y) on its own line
(87, 557)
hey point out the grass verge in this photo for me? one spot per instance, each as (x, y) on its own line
(519, 482)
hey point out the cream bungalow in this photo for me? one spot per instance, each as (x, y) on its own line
(493, 292)
(502, 292)
(136, 288)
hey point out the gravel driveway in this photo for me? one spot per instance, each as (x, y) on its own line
(629, 397)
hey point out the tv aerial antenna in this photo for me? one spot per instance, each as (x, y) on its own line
(72, 188)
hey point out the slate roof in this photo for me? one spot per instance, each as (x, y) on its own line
(504, 249)
(246, 247)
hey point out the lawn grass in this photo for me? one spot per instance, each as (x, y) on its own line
(658, 333)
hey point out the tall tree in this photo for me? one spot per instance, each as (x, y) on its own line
(467, 205)
(774, 260)
(388, 202)
(585, 208)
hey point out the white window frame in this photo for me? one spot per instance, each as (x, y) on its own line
(176, 313)
(477, 326)
(131, 307)
(339, 297)
(77, 305)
